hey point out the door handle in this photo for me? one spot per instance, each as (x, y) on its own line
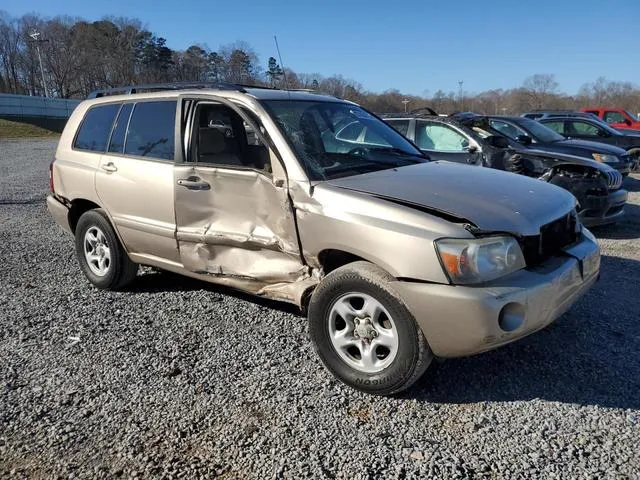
(109, 167)
(193, 183)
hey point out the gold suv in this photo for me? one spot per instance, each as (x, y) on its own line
(313, 200)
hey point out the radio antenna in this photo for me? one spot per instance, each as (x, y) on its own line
(284, 72)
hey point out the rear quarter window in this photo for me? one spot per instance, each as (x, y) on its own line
(151, 130)
(95, 129)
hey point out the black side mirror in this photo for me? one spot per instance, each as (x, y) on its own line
(602, 133)
(524, 139)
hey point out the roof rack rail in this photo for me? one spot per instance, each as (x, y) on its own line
(131, 89)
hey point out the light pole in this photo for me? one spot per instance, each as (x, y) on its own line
(460, 83)
(405, 101)
(35, 36)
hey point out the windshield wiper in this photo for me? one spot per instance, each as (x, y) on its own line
(367, 164)
(397, 151)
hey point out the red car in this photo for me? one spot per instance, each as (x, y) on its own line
(616, 117)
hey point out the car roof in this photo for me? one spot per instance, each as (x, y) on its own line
(227, 89)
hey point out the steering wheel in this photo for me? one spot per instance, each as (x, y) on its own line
(358, 151)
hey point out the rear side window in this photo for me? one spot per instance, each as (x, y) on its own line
(96, 127)
(152, 130)
(116, 145)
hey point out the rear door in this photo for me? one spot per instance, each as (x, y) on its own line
(444, 142)
(135, 178)
(233, 212)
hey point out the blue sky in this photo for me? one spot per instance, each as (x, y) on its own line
(414, 46)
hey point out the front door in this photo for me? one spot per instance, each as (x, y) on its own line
(444, 142)
(234, 218)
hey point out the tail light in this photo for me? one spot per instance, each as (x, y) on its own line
(51, 186)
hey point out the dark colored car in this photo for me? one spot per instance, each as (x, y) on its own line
(470, 139)
(533, 134)
(596, 131)
(540, 114)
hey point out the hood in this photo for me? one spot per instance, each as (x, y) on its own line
(490, 199)
(581, 146)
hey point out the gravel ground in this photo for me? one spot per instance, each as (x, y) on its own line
(178, 378)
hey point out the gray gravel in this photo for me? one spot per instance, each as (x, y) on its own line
(178, 378)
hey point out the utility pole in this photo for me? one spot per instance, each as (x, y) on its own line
(460, 83)
(35, 36)
(405, 101)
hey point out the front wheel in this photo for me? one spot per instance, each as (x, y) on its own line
(363, 332)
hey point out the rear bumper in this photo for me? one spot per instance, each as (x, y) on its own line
(60, 212)
(465, 320)
(603, 210)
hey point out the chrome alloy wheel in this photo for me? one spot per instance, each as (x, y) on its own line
(96, 251)
(363, 332)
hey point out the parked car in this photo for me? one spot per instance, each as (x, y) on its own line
(529, 132)
(395, 258)
(616, 117)
(540, 114)
(596, 131)
(470, 139)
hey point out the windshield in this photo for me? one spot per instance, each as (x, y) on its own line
(334, 139)
(537, 131)
(633, 117)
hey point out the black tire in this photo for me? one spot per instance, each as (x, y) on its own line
(120, 271)
(413, 353)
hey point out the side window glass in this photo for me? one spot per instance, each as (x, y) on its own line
(152, 130)
(438, 137)
(96, 127)
(116, 145)
(223, 138)
(507, 129)
(557, 126)
(350, 132)
(583, 128)
(402, 126)
(613, 117)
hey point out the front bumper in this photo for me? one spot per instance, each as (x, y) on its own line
(60, 212)
(465, 320)
(601, 210)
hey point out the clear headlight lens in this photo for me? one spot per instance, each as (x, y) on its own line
(479, 260)
(605, 158)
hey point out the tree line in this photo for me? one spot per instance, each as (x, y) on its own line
(78, 57)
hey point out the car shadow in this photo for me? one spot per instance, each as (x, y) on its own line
(626, 229)
(157, 281)
(589, 356)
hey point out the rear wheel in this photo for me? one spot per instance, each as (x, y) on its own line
(100, 254)
(363, 332)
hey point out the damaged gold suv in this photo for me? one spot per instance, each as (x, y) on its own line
(313, 200)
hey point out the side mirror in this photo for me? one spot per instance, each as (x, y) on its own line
(498, 141)
(602, 133)
(472, 148)
(524, 139)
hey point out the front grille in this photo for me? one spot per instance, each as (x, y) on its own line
(613, 178)
(554, 236)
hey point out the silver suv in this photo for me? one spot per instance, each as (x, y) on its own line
(313, 200)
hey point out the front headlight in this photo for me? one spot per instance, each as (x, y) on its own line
(479, 260)
(605, 158)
